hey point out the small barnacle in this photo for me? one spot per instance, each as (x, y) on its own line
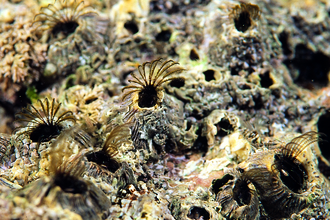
(63, 17)
(146, 89)
(66, 187)
(244, 15)
(43, 124)
(237, 196)
(104, 157)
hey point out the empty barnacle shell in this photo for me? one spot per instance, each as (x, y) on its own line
(145, 90)
(285, 179)
(43, 124)
(65, 187)
(236, 196)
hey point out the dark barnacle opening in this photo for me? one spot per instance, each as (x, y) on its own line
(218, 183)
(148, 97)
(224, 127)
(198, 213)
(313, 67)
(70, 184)
(132, 27)
(66, 27)
(292, 173)
(177, 82)
(104, 160)
(265, 80)
(323, 128)
(193, 55)
(243, 21)
(45, 132)
(209, 75)
(242, 193)
(164, 36)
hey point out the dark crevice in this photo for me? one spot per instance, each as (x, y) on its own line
(177, 82)
(284, 39)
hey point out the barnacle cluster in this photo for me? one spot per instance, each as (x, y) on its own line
(144, 109)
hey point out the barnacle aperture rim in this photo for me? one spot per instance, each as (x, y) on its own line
(63, 17)
(245, 15)
(147, 84)
(43, 124)
(291, 171)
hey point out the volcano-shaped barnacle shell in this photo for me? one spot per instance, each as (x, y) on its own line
(102, 162)
(63, 17)
(237, 196)
(286, 179)
(146, 88)
(65, 188)
(219, 124)
(44, 122)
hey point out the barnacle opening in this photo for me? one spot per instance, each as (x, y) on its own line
(196, 212)
(242, 193)
(323, 127)
(265, 80)
(45, 123)
(66, 28)
(70, 184)
(104, 160)
(224, 127)
(218, 183)
(148, 97)
(193, 55)
(131, 26)
(209, 75)
(147, 86)
(45, 132)
(177, 82)
(164, 36)
(244, 15)
(292, 173)
(312, 67)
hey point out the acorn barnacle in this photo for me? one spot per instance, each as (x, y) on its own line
(145, 89)
(65, 187)
(43, 123)
(102, 161)
(245, 15)
(236, 196)
(286, 186)
(63, 17)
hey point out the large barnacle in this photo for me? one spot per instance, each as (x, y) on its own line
(237, 197)
(103, 159)
(146, 88)
(244, 15)
(45, 123)
(63, 17)
(285, 187)
(66, 187)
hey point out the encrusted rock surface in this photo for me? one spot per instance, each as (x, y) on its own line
(220, 142)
